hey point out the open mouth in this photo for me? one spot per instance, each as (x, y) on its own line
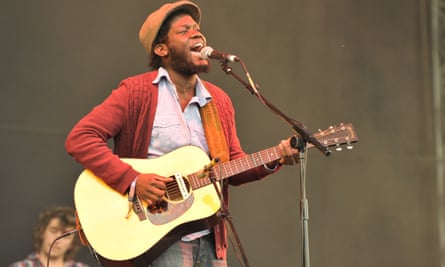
(196, 48)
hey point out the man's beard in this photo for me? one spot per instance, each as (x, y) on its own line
(182, 63)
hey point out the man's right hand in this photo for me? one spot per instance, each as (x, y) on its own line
(151, 187)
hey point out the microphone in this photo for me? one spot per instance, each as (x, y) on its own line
(208, 52)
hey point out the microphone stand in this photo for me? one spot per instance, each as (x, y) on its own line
(305, 137)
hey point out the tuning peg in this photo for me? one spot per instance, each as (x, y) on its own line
(349, 146)
(338, 148)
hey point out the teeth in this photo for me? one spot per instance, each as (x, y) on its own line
(198, 45)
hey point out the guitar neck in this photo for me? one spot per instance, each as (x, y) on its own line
(333, 136)
(228, 169)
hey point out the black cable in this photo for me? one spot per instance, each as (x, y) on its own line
(67, 233)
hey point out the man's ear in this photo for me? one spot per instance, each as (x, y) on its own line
(161, 50)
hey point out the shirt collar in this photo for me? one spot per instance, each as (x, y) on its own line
(203, 96)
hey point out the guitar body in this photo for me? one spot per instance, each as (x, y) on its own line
(102, 211)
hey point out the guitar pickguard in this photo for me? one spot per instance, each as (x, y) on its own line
(173, 211)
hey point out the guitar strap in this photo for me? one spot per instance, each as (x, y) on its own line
(214, 133)
(218, 148)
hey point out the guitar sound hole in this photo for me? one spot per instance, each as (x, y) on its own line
(173, 191)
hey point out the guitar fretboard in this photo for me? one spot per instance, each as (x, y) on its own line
(228, 169)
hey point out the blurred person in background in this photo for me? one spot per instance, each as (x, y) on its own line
(53, 223)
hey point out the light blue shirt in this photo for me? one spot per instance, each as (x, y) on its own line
(172, 127)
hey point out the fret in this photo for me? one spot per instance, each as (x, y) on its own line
(193, 181)
(250, 162)
(227, 167)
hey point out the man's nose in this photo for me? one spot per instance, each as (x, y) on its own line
(197, 34)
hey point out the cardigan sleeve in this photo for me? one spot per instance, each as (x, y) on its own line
(87, 141)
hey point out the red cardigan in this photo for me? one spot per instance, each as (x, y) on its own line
(127, 115)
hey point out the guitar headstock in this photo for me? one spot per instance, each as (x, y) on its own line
(336, 136)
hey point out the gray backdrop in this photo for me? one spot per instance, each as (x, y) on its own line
(320, 62)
